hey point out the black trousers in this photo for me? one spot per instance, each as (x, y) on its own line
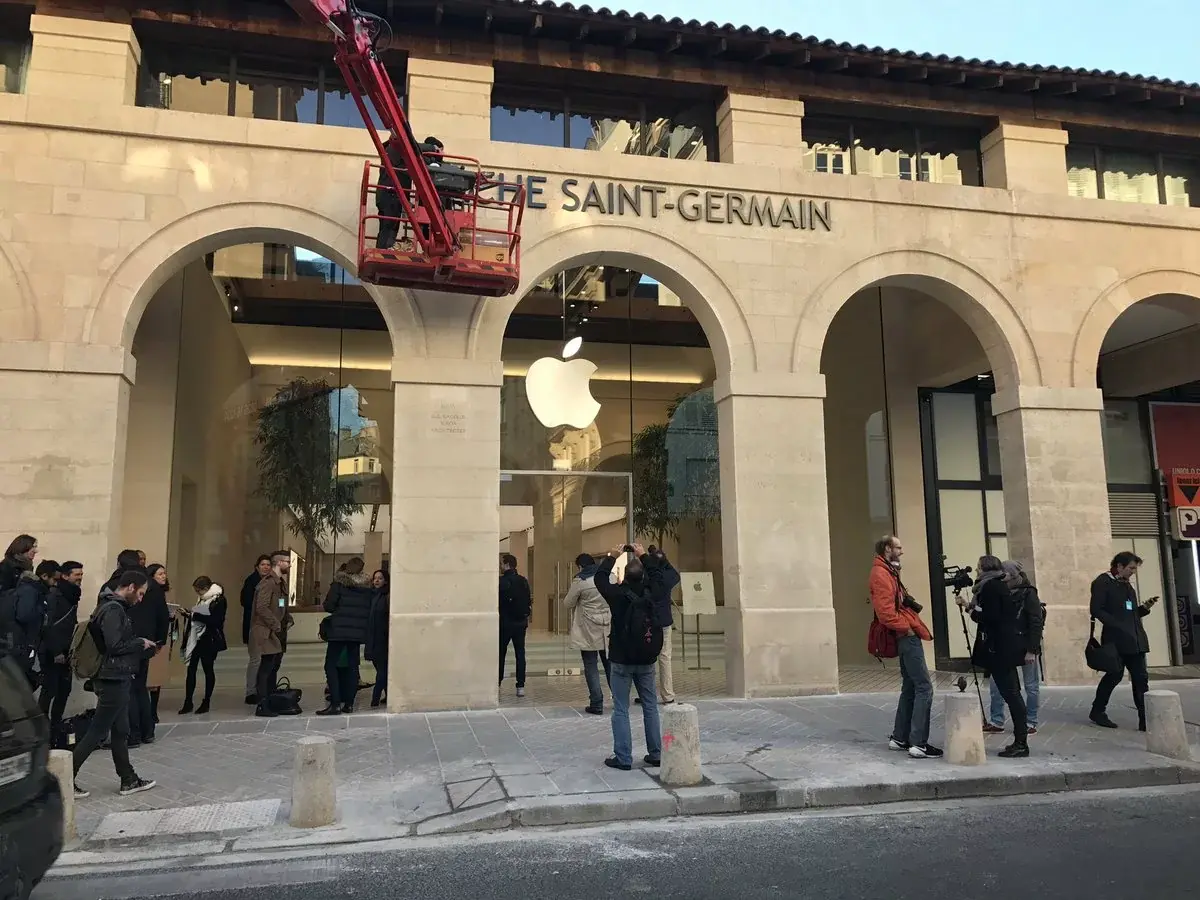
(514, 633)
(141, 715)
(342, 680)
(268, 669)
(1135, 664)
(1008, 683)
(381, 676)
(111, 719)
(56, 688)
(201, 656)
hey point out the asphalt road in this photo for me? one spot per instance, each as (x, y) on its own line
(1118, 845)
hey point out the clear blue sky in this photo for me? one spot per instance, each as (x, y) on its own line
(1145, 37)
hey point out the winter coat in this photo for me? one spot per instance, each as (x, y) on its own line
(208, 613)
(1000, 643)
(516, 600)
(887, 597)
(1034, 617)
(620, 597)
(388, 202)
(589, 614)
(123, 650)
(62, 614)
(247, 598)
(32, 597)
(266, 619)
(1115, 606)
(349, 606)
(152, 617)
(376, 649)
(11, 568)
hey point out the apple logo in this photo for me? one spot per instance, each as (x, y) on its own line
(697, 587)
(559, 392)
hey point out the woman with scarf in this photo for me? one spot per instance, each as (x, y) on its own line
(999, 645)
(203, 639)
(18, 558)
(376, 649)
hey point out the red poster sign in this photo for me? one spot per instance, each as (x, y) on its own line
(1177, 449)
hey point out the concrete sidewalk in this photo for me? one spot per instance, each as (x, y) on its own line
(225, 785)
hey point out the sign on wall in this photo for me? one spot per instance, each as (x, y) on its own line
(1186, 520)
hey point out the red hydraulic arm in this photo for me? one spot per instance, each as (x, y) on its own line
(354, 34)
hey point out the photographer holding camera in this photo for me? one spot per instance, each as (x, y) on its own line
(900, 614)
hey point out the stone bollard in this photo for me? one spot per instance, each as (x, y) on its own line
(314, 783)
(1166, 731)
(681, 745)
(62, 766)
(964, 731)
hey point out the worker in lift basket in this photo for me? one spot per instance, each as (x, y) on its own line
(387, 202)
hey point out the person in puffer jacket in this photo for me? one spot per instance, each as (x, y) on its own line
(32, 594)
(61, 616)
(123, 654)
(349, 606)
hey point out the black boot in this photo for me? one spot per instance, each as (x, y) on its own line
(1101, 718)
(330, 710)
(203, 707)
(1018, 749)
(186, 708)
(264, 711)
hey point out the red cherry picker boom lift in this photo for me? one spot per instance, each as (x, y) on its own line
(460, 230)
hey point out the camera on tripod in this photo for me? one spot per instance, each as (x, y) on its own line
(956, 577)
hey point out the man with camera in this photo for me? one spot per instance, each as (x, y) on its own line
(900, 614)
(1115, 606)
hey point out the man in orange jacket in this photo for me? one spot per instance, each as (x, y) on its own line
(899, 613)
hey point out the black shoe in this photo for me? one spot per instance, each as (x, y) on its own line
(927, 751)
(252, 699)
(1102, 719)
(637, 700)
(894, 744)
(132, 745)
(1016, 750)
(137, 786)
(652, 761)
(594, 710)
(203, 707)
(186, 708)
(613, 763)
(80, 793)
(149, 739)
(374, 704)
(1141, 724)
(265, 712)
(330, 711)
(347, 708)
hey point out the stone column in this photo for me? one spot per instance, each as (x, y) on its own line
(83, 61)
(1030, 157)
(782, 637)
(760, 131)
(445, 531)
(64, 412)
(1056, 507)
(449, 100)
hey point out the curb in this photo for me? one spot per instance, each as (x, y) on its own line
(619, 806)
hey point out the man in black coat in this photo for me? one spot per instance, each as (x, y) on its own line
(1115, 606)
(61, 617)
(516, 604)
(261, 567)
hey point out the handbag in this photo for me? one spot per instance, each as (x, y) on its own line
(323, 628)
(1102, 657)
(881, 641)
(285, 699)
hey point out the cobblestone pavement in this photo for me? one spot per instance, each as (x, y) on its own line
(408, 768)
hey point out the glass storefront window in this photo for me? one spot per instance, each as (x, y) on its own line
(1126, 446)
(883, 148)
(280, 90)
(13, 55)
(1130, 177)
(529, 116)
(956, 436)
(1081, 173)
(826, 146)
(1181, 180)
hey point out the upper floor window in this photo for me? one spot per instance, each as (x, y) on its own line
(882, 148)
(14, 49)
(618, 121)
(248, 85)
(1132, 176)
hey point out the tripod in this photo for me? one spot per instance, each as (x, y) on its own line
(974, 674)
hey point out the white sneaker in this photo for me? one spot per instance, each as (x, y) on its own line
(926, 752)
(520, 692)
(894, 744)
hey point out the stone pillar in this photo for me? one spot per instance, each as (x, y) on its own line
(964, 730)
(1026, 158)
(782, 638)
(83, 61)
(1166, 729)
(64, 412)
(449, 100)
(445, 530)
(760, 131)
(1056, 507)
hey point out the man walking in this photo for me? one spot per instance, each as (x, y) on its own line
(261, 567)
(899, 613)
(634, 645)
(267, 628)
(123, 652)
(516, 603)
(1115, 606)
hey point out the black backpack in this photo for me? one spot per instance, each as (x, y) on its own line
(641, 638)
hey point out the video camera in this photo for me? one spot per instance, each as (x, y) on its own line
(957, 577)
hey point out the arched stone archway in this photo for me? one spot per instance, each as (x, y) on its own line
(18, 313)
(701, 289)
(1107, 308)
(995, 321)
(146, 268)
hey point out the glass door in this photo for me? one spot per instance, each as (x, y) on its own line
(547, 520)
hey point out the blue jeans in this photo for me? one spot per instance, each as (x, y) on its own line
(916, 693)
(591, 673)
(641, 677)
(1032, 677)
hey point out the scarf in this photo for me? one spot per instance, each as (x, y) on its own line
(199, 625)
(984, 578)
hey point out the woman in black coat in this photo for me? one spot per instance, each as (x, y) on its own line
(18, 558)
(345, 631)
(999, 645)
(203, 639)
(377, 636)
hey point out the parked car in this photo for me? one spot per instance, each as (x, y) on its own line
(31, 807)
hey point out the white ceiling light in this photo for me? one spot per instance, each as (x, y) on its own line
(572, 347)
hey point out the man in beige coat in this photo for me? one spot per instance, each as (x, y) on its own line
(267, 627)
(590, 622)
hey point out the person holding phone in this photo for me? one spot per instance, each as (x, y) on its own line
(1115, 606)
